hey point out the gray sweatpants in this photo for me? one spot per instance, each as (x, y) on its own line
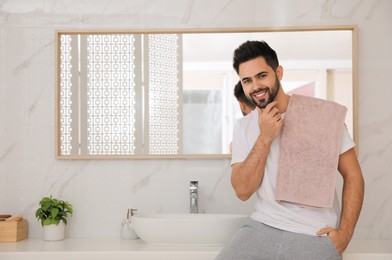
(256, 241)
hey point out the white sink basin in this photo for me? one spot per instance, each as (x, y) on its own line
(187, 229)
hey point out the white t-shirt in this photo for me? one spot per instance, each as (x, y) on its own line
(282, 215)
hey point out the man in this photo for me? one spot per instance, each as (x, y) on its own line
(282, 230)
(246, 105)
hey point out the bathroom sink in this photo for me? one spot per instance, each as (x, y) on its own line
(187, 229)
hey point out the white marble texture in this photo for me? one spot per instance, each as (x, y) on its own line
(101, 191)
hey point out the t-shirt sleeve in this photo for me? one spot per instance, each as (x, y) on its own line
(347, 142)
(240, 150)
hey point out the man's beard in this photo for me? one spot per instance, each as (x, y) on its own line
(272, 93)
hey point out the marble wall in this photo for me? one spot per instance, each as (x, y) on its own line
(101, 191)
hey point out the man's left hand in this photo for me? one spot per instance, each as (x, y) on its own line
(339, 238)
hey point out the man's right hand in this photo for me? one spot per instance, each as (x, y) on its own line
(270, 122)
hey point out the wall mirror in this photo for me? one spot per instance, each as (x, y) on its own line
(169, 93)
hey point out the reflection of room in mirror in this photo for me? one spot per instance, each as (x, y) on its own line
(176, 97)
(316, 64)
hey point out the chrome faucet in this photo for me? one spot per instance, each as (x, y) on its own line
(193, 196)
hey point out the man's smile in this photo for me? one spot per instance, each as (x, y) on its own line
(259, 95)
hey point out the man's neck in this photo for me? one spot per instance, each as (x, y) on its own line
(283, 101)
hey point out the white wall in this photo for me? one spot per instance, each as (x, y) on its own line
(102, 190)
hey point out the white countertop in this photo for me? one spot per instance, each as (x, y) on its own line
(78, 249)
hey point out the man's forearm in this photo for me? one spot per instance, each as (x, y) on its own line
(247, 176)
(352, 199)
(352, 194)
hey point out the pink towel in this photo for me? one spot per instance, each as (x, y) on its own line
(309, 151)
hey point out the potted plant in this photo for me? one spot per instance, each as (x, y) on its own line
(53, 215)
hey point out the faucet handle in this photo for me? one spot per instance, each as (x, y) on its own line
(194, 183)
(130, 213)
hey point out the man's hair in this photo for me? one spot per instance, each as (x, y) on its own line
(240, 95)
(250, 50)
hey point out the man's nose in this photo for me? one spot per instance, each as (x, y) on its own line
(255, 84)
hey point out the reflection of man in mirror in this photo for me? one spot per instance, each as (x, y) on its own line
(246, 105)
(283, 225)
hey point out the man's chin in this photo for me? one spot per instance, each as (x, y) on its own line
(261, 104)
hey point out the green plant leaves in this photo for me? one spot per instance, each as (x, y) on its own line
(47, 221)
(52, 211)
(55, 212)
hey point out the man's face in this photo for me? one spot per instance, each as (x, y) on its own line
(259, 81)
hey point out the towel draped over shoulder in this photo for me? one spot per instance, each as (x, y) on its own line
(309, 151)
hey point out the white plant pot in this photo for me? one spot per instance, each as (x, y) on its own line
(54, 232)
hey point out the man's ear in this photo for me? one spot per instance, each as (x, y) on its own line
(279, 72)
(243, 106)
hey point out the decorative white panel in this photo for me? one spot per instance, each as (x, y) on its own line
(97, 94)
(65, 94)
(110, 94)
(164, 67)
(107, 107)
